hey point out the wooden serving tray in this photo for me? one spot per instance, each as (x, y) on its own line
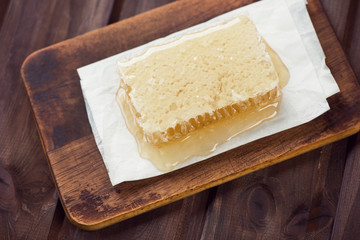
(89, 199)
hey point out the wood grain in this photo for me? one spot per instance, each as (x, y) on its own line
(337, 12)
(188, 218)
(352, 37)
(292, 200)
(3, 9)
(28, 197)
(344, 17)
(86, 193)
(348, 210)
(180, 220)
(135, 7)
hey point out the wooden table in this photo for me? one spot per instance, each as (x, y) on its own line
(315, 195)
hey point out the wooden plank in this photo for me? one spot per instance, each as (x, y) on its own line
(180, 220)
(57, 222)
(352, 37)
(348, 208)
(88, 197)
(132, 8)
(116, 11)
(3, 9)
(337, 12)
(292, 200)
(344, 17)
(28, 197)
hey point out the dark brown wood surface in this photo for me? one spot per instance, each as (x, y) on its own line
(89, 199)
(315, 195)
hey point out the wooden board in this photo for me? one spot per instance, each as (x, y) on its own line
(89, 199)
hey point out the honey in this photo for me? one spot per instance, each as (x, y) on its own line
(205, 140)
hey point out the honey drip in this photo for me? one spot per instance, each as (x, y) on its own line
(203, 141)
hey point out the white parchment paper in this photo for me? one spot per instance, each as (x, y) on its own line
(287, 28)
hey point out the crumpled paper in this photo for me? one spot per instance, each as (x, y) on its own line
(285, 25)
